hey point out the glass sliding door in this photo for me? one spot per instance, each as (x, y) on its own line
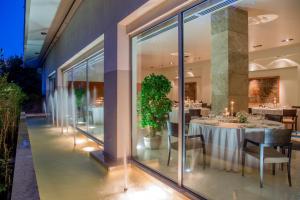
(155, 98)
(69, 100)
(80, 92)
(96, 96)
(84, 96)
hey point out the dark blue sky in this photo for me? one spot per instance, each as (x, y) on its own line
(12, 27)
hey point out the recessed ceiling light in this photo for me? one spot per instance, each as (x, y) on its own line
(257, 46)
(262, 19)
(186, 54)
(287, 40)
(43, 33)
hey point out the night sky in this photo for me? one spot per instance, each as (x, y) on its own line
(12, 27)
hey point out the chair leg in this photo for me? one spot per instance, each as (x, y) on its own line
(261, 166)
(283, 152)
(204, 152)
(273, 169)
(243, 163)
(289, 173)
(169, 157)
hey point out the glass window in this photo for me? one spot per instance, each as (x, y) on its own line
(155, 98)
(96, 96)
(80, 92)
(84, 96)
(226, 47)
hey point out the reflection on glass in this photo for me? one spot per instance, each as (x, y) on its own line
(69, 99)
(96, 96)
(155, 98)
(84, 96)
(80, 92)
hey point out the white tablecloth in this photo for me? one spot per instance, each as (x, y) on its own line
(173, 116)
(224, 141)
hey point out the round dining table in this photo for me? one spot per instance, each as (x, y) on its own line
(224, 140)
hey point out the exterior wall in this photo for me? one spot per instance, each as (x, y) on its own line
(96, 18)
(93, 19)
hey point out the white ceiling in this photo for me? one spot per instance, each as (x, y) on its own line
(198, 43)
(39, 16)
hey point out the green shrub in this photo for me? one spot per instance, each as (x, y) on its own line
(154, 105)
(11, 97)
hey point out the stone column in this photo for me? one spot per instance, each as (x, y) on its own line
(229, 56)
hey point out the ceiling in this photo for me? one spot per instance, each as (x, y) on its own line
(39, 16)
(281, 22)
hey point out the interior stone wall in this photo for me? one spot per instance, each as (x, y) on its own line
(229, 73)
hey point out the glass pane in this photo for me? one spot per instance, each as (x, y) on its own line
(69, 101)
(226, 46)
(155, 98)
(80, 93)
(96, 96)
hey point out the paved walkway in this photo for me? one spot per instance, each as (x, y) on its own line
(64, 172)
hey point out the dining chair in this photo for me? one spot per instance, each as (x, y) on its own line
(250, 110)
(192, 142)
(195, 113)
(264, 145)
(290, 118)
(277, 118)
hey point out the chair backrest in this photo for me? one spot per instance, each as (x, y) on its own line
(195, 112)
(296, 107)
(277, 118)
(250, 110)
(187, 118)
(172, 129)
(289, 112)
(280, 137)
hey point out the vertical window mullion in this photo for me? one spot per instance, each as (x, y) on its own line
(87, 96)
(181, 138)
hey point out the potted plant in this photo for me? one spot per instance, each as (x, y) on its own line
(154, 105)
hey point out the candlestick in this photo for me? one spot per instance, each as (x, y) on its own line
(275, 102)
(226, 112)
(231, 107)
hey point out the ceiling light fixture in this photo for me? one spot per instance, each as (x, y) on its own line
(257, 46)
(287, 40)
(186, 54)
(262, 19)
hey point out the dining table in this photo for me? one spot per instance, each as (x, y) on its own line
(268, 110)
(224, 139)
(275, 111)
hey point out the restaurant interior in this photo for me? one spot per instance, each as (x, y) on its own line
(241, 99)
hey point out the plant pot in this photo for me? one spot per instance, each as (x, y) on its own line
(152, 142)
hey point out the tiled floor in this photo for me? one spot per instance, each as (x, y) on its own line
(220, 184)
(64, 172)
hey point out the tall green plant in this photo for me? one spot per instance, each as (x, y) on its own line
(154, 105)
(11, 97)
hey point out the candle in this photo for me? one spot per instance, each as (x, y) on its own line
(275, 102)
(226, 112)
(231, 107)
